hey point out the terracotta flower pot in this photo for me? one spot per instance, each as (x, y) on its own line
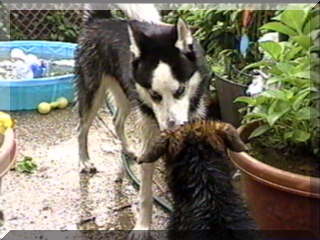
(277, 199)
(7, 152)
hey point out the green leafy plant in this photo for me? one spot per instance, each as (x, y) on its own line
(27, 165)
(219, 32)
(62, 29)
(288, 110)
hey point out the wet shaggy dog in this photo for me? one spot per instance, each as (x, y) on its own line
(205, 204)
(157, 71)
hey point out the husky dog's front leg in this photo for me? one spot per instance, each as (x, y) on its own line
(150, 130)
(144, 218)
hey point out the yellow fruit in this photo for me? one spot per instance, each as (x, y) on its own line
(54, 105)
(5, 122)
(44, 108)
(62, 102)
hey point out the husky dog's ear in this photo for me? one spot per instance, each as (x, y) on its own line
(134, 48)
(232, 139)
(184, 39)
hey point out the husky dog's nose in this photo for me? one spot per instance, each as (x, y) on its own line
(171, 123)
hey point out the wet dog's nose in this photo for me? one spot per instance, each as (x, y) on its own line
(171, 123)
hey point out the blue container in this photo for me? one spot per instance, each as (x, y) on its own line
(28, 93)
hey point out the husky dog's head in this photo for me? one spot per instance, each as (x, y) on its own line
(166, 72)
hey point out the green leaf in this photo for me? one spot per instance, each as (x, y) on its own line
(276, 111)
(256, 116)
(294, 19)
(274, 49)
(247, 100)
(300, 135)
(277, 94)
(26, 165)
(299, 99)
(312, 24)
(307, 113)
(256, 65)
(304, 74)
(286, 68)
(292, 53)
(279, 27)
(273, 80)
(259, 131)
(303, 41)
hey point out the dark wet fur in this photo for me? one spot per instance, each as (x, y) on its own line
(203, 196)
(205, 203)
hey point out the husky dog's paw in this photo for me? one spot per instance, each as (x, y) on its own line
(87, 168)
(139, 235)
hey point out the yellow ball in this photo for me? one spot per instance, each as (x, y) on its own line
(5, 122)
(62, 102)
(54, 105)
(44, 108)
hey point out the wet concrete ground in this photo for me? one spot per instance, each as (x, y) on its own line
(56, 196)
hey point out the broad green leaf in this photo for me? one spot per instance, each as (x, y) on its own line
(286, 68)
(294, 19)
(248, 100)
(277, 94)
(273, 80)
(292, 53)
(256, 65)
(303, 41)
(279, 27)
(300, 98)
(289, 94)
(306, 74)
(312, 24)
(307, 113)
(276, 111)
(256, 116)
(300, 135)
(259, 131)
(273, 118)
(260, 100)
(274, 49)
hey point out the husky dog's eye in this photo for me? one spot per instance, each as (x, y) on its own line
(155, 96)
(179, 92)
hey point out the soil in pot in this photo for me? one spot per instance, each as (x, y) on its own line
(300, 162)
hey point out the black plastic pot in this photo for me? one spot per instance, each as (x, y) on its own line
(227, 92)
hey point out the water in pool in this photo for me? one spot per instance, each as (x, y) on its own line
(12, 67)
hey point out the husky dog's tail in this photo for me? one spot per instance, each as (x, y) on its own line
(140, 12)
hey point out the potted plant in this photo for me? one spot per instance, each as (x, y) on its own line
(7, 144)
(282, 126)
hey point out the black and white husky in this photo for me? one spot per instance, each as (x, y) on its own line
(154, 69)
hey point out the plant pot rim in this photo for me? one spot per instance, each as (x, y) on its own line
(277, 178)
(218, 76)
(7, 152)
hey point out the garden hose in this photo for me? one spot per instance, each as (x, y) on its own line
(136, 183)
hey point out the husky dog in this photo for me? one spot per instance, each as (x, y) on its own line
(154, 69)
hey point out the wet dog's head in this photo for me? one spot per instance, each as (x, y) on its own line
(166, 71)
(218, 136)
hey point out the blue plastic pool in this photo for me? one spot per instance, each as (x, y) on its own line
(28, 93)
